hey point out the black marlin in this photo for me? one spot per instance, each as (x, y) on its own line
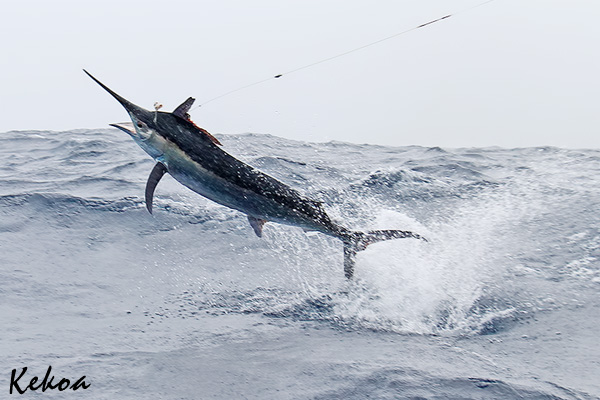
(193, 157)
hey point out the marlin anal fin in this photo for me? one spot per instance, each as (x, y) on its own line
(182, 110)
(257, 224)
(157, 173)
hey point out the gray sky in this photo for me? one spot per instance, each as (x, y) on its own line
(510, 73)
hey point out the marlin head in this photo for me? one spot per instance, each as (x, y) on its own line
(142, 123)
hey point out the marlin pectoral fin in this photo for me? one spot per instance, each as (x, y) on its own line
(157, 172)
(184, 107)
(257, 224)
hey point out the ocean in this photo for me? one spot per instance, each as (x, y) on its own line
(501, 302)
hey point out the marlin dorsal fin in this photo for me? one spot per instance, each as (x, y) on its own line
(257, 224)
(157, 173)
(182, 110)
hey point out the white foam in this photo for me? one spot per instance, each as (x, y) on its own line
(428, 287)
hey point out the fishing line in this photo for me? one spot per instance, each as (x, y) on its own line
(344, 53)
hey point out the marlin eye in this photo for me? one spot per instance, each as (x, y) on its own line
(139, 124)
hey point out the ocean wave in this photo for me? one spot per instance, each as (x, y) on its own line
(488, 209)
(500, 302)
(56, 202)
(383, 383)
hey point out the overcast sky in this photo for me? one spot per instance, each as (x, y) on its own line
(509, 73)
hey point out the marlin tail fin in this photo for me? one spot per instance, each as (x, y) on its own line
(358, 241)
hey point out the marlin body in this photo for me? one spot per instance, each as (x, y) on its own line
(193, 157)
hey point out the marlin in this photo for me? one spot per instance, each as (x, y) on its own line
(194, 158)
